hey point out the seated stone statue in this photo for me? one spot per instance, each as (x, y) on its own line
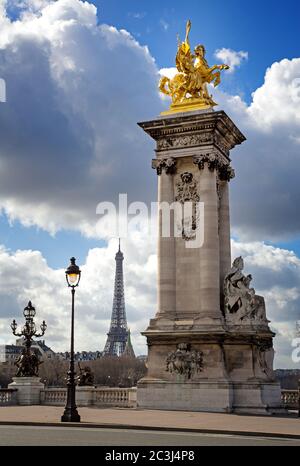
(86, 377)
(240, 301)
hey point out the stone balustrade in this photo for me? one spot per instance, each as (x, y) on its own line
(89, 396)
(119, 397)
(54, 396)
(102, 396)
(290, 399)
(8, 396)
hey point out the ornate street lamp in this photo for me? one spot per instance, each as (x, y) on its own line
(28, 363)
(73, 274)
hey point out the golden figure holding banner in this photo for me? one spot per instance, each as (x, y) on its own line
(188, 88)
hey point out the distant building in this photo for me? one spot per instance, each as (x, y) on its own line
(288, 378)
(9, 354)
(81, 355)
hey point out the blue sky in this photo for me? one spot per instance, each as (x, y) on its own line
(266, 29)
(69, 139)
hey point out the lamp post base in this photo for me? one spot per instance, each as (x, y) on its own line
(70, 415)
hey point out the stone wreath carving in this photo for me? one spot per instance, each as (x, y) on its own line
(186, 191)
(185, 361)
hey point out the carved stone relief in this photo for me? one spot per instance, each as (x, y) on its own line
(185, 361)
(265, 357)
(184, 141)
(187, 191)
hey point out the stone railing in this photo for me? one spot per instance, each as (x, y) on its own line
(90, 396)
(119, 397)
(8, 396)
(290, 399)
(54, 396)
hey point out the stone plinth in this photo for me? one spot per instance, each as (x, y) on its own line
(209, 396)
(209, 345)
(29, 390)
(84, 395)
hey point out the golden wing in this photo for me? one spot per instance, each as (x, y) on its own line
(184, 58)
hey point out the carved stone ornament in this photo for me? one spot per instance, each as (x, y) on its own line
(184, 141)
(185, 361)
(214, 162)
(241, 302)
(186, 191)
(265, 357)
(168, 165)
(211, 160)
(226, 173)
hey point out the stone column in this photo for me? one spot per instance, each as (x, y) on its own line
(210, 250)
(225, 175)
(166, 274)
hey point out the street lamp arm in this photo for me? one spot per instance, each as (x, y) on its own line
(18, 334)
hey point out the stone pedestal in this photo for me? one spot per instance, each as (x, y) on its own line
(29, 390)
(208, 348)
(84, 395)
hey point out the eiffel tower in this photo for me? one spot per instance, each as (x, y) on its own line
(118, 332)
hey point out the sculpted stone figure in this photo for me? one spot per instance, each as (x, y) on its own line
(185, 361)
(86, 377)
(28, 364)
(241, 302)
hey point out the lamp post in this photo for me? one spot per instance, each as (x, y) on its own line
(73, 274)
(28, 363)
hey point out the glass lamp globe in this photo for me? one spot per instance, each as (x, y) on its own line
(73, 273)
(29, 311)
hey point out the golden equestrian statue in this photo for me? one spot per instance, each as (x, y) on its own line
(188, 88)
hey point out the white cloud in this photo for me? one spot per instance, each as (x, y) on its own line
(231, 57)
(74, 104)
(69, 140)
(77, 130)
(168, 72)
(25, 275)
(277, 101)
(276, 276)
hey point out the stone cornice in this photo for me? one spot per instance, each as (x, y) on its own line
(194, 130)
